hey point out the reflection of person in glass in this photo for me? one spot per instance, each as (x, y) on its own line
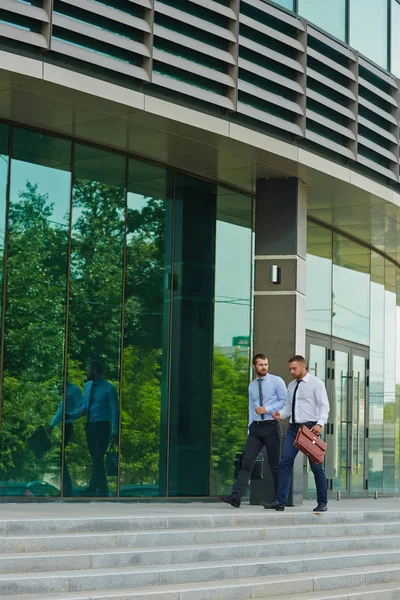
(74, 401)
(101, 406)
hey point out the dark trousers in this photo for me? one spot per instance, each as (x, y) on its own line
(261, 433)
(289, 453)
(67, 485)
(98, 435)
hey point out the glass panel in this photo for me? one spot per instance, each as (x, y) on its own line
(146, 329)
(389, 408)
(395, 39)
(231, 334)
(33, 384)
(319, 279)
(351, 289)
(358, 423)
(376, 374)
(339, 419)
(285, 3)
(369, 29)
(98, 216)
(329, 16)
(192, 339)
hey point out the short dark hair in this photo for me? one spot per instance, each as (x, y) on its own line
(297, 358)
(257, 357)
(96, 365)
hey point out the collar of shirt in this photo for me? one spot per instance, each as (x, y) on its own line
(262, 378)
(305, 378)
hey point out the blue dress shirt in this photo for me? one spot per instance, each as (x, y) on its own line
(104, 403)
(274, 394)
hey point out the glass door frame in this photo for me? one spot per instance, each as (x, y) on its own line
(331, 345)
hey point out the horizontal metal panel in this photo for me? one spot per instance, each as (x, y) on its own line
(226, 11)
(342, 110)
(184, 17)
(347, 52)
(191, 90)
(269, 75)
(317, 118)
(375, 90)
(98, 59)
(257, 92)
(191, 67)
(276, 56)
(110, 13)
(376, 148)
(275, 12)
(27, 10)
(372, 107)
(21, 35)
(185, 41)
(340, 89)
(264, 117)
(378, 73)
(100, 34)
(329, 145)
(376, 167)
(273, 33)
(331, 63)
(387, 135)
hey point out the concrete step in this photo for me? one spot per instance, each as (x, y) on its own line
(161, 538)
(131, 577)
(119, 557)
(263, 518)
(367, 583)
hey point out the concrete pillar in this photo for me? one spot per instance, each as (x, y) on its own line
(279, 308)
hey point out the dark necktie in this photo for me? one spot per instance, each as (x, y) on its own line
(294, 402)
(261, 396)
(91, 394)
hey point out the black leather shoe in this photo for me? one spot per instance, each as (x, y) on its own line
(322, 507)
(273, 505)
(230, 500)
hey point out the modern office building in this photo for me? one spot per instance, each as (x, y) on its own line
(184, 183)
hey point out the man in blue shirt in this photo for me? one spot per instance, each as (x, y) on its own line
(266, 393)
(73, 396)
(100, 404)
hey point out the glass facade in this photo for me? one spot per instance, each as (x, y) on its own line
(120, 278)
(368, 32)
(395, 38)
(359, 355)
(329, 16)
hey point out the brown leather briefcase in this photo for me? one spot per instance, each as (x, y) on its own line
(311, 445)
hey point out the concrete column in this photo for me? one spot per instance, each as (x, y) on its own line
(279, 308)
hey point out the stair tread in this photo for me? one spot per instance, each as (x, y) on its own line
(199, 546)
(197, 565)
(226, 583)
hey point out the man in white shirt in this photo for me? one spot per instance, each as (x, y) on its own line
(307, 404)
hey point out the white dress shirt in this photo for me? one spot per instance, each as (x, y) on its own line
(312, 402)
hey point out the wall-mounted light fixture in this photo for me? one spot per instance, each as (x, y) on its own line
(275, 274)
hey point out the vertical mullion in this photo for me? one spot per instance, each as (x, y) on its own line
(67, 293)
(121, 366)
(5, 260)
(213, 343)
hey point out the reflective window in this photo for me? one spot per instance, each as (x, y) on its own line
(231, 334)
(192, 337)
(395, 38)
(285, 3)
(351, 291)
(33, 386)
(377, 362)
(369, 29)
(329, 16)
(319, 279)
(389, 394)
(95, 317)
(146, 330)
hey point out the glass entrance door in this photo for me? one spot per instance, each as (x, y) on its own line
(343, 368)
